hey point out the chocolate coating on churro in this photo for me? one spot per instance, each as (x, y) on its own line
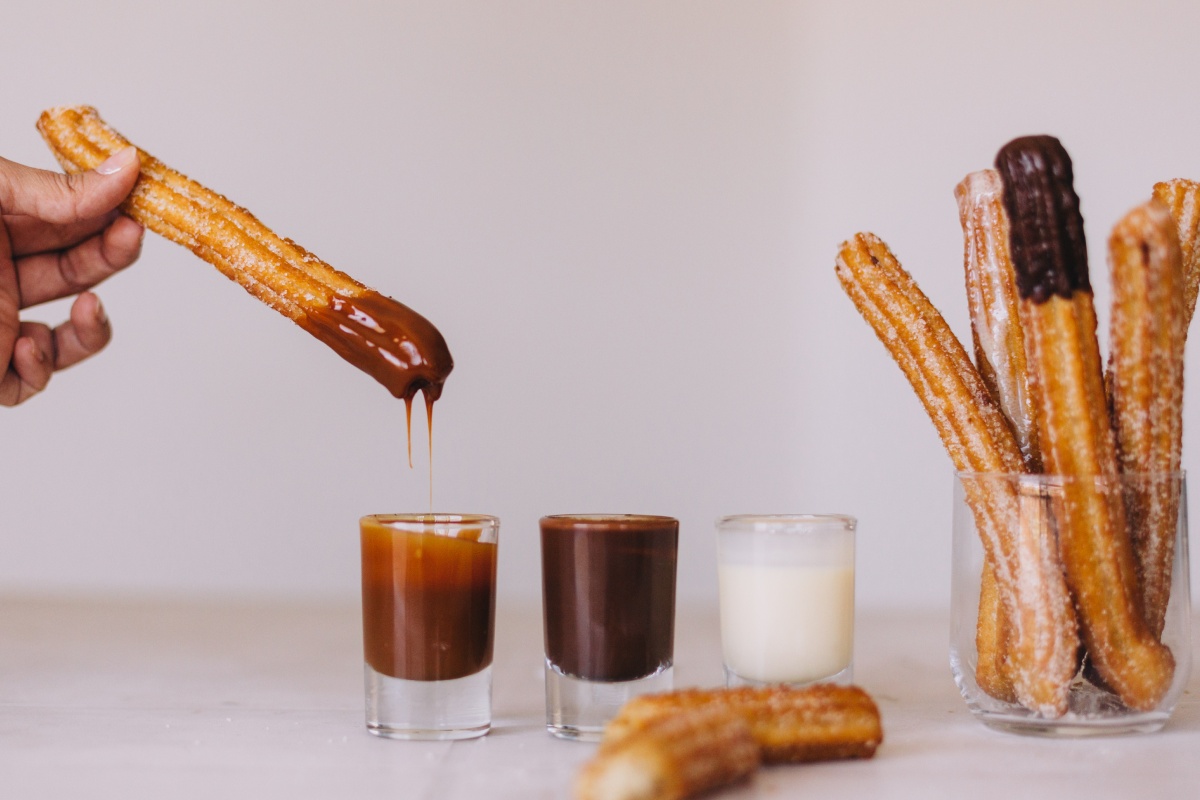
(388, 340)
(1046, 229)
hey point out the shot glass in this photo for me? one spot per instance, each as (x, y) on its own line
(786, 589)
(1033, 512)
(608, 600)
(429, 591)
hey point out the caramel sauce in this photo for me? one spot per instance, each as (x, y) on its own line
(428, 602)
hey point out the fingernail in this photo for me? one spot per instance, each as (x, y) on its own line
(118, 161)
(101, 316)
(38, 354)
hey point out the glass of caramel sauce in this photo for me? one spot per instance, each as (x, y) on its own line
(429, 596)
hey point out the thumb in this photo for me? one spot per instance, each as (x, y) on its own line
(60, 199)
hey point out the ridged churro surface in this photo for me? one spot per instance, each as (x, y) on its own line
(1182, 198)
(814, 723)
(1145, 380)
(395, 345)
(672, 756)
(979, 440)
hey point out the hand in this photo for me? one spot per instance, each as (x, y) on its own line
(60, 235)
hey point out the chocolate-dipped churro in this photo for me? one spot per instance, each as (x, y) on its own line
(392, 343)
(1050, 260)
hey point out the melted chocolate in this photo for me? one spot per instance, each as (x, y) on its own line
(387, 340)
(608, 586)
(1049, 253)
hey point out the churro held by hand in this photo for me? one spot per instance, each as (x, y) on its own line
(1050, 258)
(979, 440)
(392, 343)
(1145, 379)
(671, 757)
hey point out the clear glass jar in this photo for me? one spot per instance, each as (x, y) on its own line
(1020, 628)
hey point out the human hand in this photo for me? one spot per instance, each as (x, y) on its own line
(60, 235)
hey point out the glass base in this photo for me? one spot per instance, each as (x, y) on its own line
(844, 678)
(1069, 728)
(1090, 712)
(438, 710)
(578, 709)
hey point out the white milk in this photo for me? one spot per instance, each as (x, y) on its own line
(787, 600)
(787, 624)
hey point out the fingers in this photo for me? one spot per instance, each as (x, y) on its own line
(40, 351)
(63, 199)
(49, 276)
(31, 365)
(84, 335)
(30, 235)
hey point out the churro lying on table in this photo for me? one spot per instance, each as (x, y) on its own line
(389, 341)
(675, 744)
(814, 723)
(672, 756)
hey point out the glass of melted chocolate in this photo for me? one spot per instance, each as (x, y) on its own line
(429, 596)
(608, 599)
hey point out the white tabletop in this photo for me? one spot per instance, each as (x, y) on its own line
(134, 698)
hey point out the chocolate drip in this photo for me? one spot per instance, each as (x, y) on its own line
(1049, 253)
(386, 339)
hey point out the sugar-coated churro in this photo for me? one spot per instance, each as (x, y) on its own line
(1145, 379)
(993, 637)
(813, 723)
(979, 440)
(1182, 197)
(395, 345)
(672, 756)
(992, 301)
(1050, 259)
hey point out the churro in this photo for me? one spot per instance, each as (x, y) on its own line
(1057, 314)
(1182, 197)
(814, 723)
(992, 302)
(672, 756)
(395, 345)
(1145, 380)
(979, 440)
(993, 635)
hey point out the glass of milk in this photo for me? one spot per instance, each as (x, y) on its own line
(786, 585)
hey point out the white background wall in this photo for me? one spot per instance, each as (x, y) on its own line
(622, 215)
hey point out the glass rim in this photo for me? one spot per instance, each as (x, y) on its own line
(430, 520)
(845, 521)
(606, 521)
(972, 475)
